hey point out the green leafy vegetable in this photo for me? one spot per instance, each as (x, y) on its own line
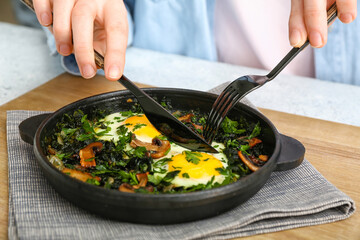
(93, 181)
(138, 126)
(192, 157)
(170, 176)
(230, 126)
(177, 167)
(223, 171)
(103, 133)
(89, 159)
(119, 163)
(244, 148)
(128, 113)
(185, 175)
(154, 179)
(69, 131)
(133, 179)
(232, 143)
(121, 130)
(140, 152)
(86, 125)
(256, 131)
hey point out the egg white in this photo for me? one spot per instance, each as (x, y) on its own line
(115, 120)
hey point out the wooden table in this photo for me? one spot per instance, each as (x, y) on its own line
(332, 148)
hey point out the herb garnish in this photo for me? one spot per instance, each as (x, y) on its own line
(138, 125)
(128, 113)
(170, 176)
(93, 181)
(230, 126)
(256, 131)
(139, 152)
(185, 175)
(192, 157)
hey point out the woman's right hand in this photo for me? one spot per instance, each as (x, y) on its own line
(80, 26)
(308, 20)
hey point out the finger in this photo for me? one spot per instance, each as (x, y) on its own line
(116, 29)
(347, 10)
(83, 16)
(315, 15)
(297, 29)
(62, 26)
(43, 12)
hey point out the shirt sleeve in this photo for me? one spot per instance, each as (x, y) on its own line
(69, 62)
(129, 4)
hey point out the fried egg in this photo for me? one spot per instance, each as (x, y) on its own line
(194, 167)
(137, 124)
(198, 168)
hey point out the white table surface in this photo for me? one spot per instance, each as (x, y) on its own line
(26, 63)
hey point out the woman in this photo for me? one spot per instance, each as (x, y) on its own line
(189, 28)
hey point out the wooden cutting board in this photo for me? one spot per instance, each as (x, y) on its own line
(332, 148)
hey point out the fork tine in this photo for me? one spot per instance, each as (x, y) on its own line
(211, 120)
(224, 96)
(217, 122)
(216, 113)
(221, 108)
(219, 99)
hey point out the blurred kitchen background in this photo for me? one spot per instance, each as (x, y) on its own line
(6, 12)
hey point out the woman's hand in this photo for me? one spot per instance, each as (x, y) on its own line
(80, 26)
(308, 19)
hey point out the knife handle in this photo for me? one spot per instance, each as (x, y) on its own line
(29, 3)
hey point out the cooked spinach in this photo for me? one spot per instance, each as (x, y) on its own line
(117, 164)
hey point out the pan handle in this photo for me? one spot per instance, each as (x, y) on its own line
(28, 127)
(291, 154)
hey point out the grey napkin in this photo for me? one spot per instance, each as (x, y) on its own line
(290, 199)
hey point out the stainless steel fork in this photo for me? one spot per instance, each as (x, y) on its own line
(246, 84)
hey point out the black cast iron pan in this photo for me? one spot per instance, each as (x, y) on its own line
(286, 153)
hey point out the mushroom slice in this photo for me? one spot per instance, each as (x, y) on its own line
(254, 141)
(255, 160)
(187, 118)
(157, 148)
(143, 179)
(149, 188)
(51, 150)
(163, 145)
(82, 176)
(126, 187)
(263, 158)
(247, 162)
(87, 154)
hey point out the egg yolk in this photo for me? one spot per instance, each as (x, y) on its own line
(142, 125)
(204, 168)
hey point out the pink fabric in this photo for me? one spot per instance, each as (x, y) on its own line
(254, 33)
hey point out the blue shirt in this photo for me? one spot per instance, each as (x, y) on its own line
(186, 27)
